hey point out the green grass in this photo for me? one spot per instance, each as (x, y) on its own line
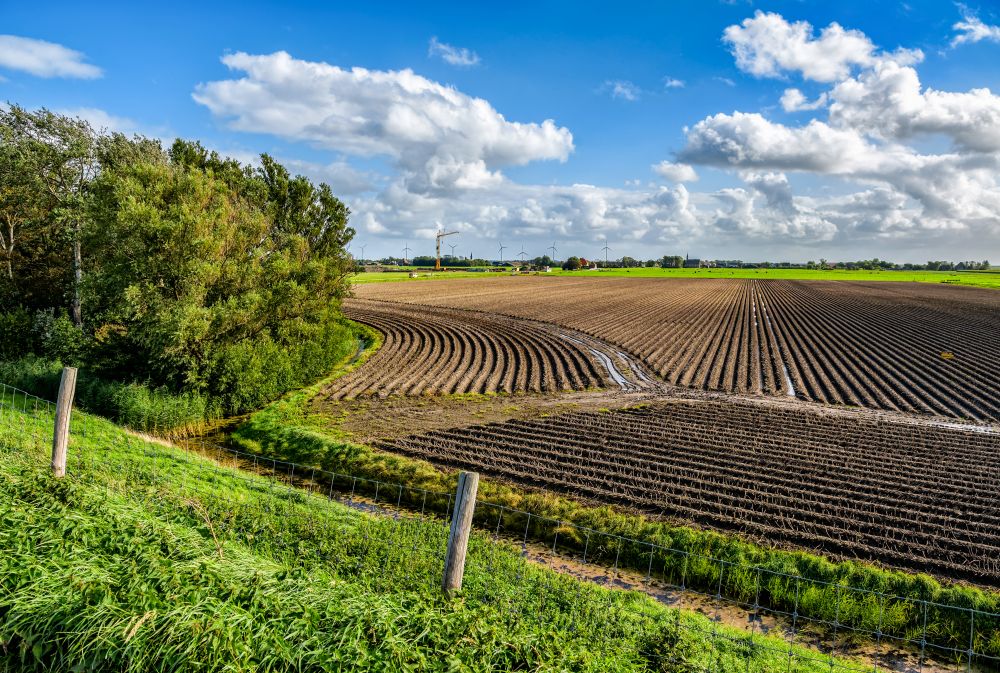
(989, 279)
(423, 273)
(287, 429)
(151, 558)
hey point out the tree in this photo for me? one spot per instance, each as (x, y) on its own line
(672, 262)
(202, 262)
(201, 274)
(61, 152)
(571, 264)
(22, 200)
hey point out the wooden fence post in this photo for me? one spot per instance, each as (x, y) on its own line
(461, 527)
(64, 409)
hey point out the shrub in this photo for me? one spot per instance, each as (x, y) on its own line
(58, 338)
(16, 336)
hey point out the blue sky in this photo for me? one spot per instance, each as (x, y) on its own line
(890, 148)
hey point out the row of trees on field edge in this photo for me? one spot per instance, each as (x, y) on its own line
(172, 269)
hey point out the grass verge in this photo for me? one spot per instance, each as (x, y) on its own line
(151, 558)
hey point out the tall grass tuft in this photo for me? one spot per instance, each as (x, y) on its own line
(134, 405)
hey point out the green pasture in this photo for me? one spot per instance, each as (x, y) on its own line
(990, 279)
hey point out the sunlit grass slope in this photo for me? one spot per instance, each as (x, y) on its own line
(151, 558)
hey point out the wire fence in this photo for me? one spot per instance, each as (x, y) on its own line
(706, 614)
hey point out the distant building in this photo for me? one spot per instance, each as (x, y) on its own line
(691, 263)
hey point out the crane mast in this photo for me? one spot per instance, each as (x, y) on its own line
(438, 237)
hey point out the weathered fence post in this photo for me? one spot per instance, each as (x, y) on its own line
(64, 408)
(461, 527)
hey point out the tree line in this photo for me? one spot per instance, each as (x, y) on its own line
(677, 261)
(175, 269)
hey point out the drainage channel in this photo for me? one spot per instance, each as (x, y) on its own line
(605, 360)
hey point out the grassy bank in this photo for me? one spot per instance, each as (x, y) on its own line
(989, 279)
(134, 405)
(683, 555)
(150, 558)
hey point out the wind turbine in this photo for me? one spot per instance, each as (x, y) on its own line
(406, 252)
(453, 246)
(362, 254)
(553, 249)
(522, 254)
(502, 248)
(605, 249)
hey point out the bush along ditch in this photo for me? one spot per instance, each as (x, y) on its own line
(185, 285)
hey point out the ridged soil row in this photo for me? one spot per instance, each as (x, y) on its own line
(442, 351)
(919, 497)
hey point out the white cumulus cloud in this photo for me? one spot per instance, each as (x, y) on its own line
(888, 102)
(44, 59)
(878, 112)
(766, 45)
(675, 172)
(971, 29)
(793, 100)
(440, 138)
(459, 56)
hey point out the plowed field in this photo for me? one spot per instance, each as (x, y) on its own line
(433, 350)
(898, 346)
(911, 494)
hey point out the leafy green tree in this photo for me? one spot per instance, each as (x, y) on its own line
(61, 152)
(213, 279)
(571, 264)
(193, 264)
(21, 202)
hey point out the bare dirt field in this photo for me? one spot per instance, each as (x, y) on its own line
(849, 484)
(808, 414)
(429, 350)
(930, 349)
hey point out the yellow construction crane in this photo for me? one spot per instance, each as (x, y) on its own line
(439, 236)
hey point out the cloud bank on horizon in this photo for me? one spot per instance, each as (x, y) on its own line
(901, 161)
